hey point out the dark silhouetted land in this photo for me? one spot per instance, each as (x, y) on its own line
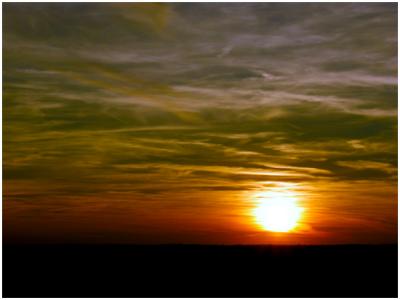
(199, 271)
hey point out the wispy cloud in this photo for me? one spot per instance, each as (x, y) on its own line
(152, 101)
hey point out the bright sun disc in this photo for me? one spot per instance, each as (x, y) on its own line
(278, 212)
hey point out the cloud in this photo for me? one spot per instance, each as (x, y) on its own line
(362, 164)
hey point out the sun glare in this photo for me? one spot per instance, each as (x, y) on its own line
(277, 211)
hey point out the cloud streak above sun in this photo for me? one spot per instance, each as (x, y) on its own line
(168, 116)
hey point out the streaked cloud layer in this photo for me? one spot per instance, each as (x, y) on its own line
(158, 122)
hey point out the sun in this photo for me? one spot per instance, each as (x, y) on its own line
(278, 211)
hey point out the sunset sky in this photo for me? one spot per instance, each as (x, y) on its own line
(182, 123)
